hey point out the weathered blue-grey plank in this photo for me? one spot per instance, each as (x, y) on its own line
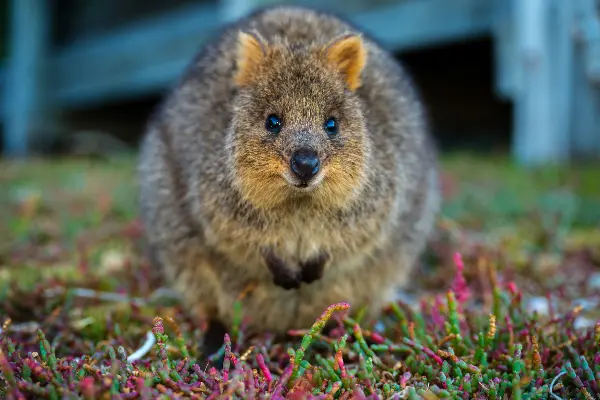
(23, 84)
(585, 138)
(410, 24)
(562, 53)
(231, 10)
(143, 57)
(505, 50)
(589, 30)
(537, 137)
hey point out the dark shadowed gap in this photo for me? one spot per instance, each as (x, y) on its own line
(457, 83)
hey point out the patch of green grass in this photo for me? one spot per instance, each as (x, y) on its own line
(494, 191)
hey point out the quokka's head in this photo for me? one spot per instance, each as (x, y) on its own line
(298, 132)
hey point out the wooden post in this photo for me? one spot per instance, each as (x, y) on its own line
(586, 77)
(542, 100)
(24, 89)
(561, 78)
(504, 34)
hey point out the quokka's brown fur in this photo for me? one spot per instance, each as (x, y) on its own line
(224, 213)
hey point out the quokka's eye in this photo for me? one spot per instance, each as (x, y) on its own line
(273, 123)
(331, 126)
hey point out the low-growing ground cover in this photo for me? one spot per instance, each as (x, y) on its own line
(504, 306)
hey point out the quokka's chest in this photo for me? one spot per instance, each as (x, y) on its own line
(296, 238)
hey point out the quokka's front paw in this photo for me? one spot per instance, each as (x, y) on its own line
(313, 269)
(283, 275)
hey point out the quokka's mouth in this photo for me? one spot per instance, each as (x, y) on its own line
(303, 186)
(305, 189)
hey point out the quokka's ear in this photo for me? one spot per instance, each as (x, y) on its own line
(347, 54)
(251, 51)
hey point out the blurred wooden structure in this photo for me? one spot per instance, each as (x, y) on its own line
(547, 55)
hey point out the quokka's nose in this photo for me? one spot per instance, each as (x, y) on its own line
(305, 164)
